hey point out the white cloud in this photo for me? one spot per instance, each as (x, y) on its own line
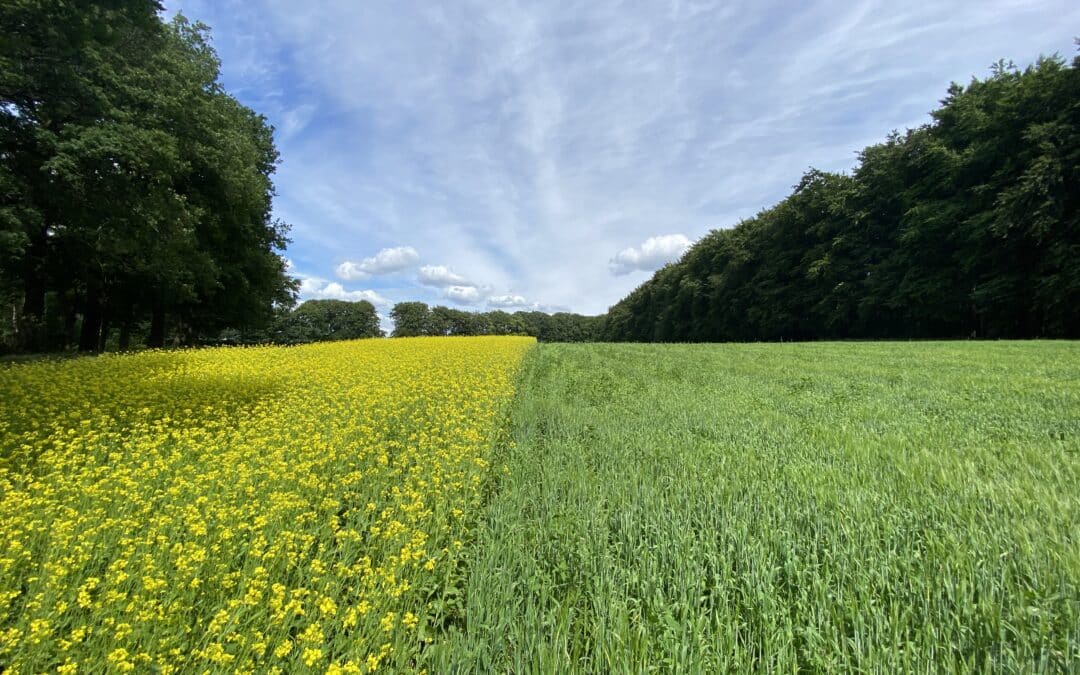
(384, 262)
(464, 295)
(508, 301)
(653, 254)
(312, 288)
(349, 271)
(440, 276)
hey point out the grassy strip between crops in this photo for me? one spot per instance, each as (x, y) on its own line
(244, 510)
(823, 508)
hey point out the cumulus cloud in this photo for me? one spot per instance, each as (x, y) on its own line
(310, 286)
(653, 254)
(508, 301)
(318, 289)
(440, 276)
(384, 262)
(464, 295)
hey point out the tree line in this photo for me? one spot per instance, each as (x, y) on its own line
(311, 321)
(135, 192)
(413, 319)
(323, 320)
(136, 195)
(964, 227)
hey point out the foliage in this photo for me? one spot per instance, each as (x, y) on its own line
(243, 509)
(411, 319)
(416, 318)
(872, 508)
(132, 186)
(321, 320)
(969, 226)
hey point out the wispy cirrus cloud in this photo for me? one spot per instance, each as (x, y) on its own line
(525, 144)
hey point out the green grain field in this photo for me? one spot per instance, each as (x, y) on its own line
(885, 507)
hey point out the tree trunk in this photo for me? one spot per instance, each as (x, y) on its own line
(156, 340)
(191, 336)
(125, 333)
(105, 327)
(90, 334)
(31, 324)
(70, 315)
(33, 294)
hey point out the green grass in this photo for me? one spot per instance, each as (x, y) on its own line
(887, 507)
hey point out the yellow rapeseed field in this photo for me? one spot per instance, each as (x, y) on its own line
(268, 509)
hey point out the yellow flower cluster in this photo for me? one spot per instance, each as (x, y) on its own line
(270, 509)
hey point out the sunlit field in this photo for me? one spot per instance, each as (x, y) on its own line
(449, 505)
(260, 509)
(823, 508)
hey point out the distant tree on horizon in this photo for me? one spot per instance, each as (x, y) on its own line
(411, 319)
(323, 320)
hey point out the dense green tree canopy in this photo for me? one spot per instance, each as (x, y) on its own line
(416, 318)
(321, 320)
(967, 226)
(411, 319)
(132, 186)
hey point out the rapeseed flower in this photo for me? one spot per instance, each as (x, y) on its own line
(244, 509)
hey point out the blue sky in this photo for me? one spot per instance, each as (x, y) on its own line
(550, 155)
